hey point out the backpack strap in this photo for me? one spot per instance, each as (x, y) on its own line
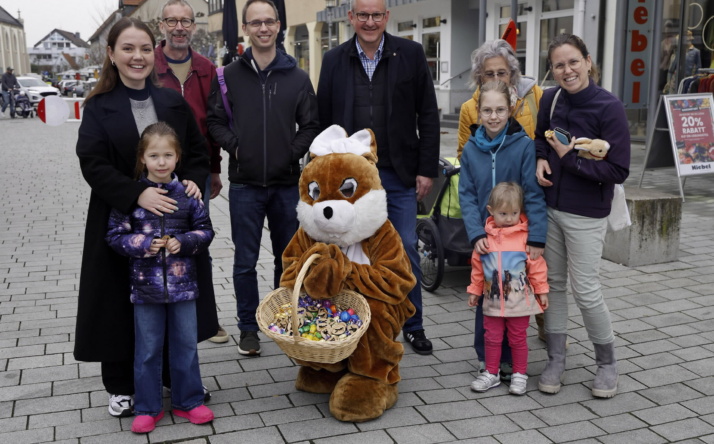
(555, 100)
(224, 95)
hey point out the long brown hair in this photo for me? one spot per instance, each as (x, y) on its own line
(110, 76)
(158, 129)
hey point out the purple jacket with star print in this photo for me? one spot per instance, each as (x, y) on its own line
(162, 278)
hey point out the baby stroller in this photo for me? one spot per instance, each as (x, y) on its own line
(23, 107)
(440, 228)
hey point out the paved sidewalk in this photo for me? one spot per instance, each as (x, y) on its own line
(663, 317)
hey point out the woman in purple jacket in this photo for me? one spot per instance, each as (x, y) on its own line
(578, 194)
(164, 283)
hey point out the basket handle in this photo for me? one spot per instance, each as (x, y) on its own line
(296, 293)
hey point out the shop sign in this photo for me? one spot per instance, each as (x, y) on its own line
(637, 54)
(691, 129)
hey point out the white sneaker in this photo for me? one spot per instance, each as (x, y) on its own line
(518, 384)
(121, 406)
(485, 381)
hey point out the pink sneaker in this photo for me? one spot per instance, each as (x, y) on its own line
(199, 415)
(145, 423)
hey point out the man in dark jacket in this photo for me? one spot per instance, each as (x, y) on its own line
(189, 73)
(9, 81)
(267, 96)
(379, 81)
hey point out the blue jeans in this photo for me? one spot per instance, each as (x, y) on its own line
(151, 323)
(402, 210)
(249, 206)
(9, 101)
(480, 339)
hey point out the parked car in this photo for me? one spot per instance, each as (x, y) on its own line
(36, 89)
(81, 88)
(64, 86)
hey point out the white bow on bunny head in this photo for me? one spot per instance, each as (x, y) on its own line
(334, 140)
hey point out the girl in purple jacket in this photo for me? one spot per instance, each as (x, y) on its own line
(163, 283)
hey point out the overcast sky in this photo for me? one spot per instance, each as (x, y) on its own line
(42, 16)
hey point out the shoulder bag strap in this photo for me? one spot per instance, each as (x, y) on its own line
(224, 93)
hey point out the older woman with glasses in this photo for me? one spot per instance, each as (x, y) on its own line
(578, 193)
(495, 60)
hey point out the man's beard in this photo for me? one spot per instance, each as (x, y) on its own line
(174, 45)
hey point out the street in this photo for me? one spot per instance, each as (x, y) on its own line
(663, 317)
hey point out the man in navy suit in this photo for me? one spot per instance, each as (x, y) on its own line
(382, 82)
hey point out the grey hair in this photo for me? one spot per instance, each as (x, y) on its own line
(491, 49)
(180, 3)
(352, 4)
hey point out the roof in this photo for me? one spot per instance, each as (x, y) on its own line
(68, 35)
(5, 17)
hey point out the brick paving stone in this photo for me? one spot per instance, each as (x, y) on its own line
(376, 437)
(529, 436)
(572, 431)
(671, 393)
(481, 427)
(440, 396)
(664, 414)
(30, 436)
(702, 406)
(25, 391)
(452, 411)
(564, 414)
(644, 436)
(662, 375)
(54, 419)
(316, 428)
(45, 374)
(622, 403)
(418, 434)
(294, 414)
(619, 423)
(266, 435)
(685, 429)
(51, 404)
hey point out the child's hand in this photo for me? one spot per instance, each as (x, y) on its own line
(173, 246)
(473, 300)
(542, 300)
(534, 252)
(157, 245)
(481, 246)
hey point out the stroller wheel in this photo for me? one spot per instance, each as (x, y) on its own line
(431, 254)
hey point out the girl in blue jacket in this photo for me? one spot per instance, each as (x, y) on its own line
(499, 151)
(164, 284)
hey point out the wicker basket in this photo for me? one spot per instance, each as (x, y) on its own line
(294, 345)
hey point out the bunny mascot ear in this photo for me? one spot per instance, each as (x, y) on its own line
(334, 140)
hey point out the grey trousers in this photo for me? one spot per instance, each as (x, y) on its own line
(573, 249)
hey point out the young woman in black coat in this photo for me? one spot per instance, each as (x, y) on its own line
(125, 101)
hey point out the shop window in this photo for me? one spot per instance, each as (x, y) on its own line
(431, 42)
(302, 47)
(550, 28)
(431, 22)
(557, 5)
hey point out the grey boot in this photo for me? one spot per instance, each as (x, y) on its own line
(605, 383)
(552, 376)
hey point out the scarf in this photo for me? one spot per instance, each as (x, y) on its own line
(485, 143)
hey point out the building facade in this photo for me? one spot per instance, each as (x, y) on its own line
(59, 51)
(13, 49)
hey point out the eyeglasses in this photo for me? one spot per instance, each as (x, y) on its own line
(500, 112)
(573, 64)
(258, 23)
(500, 74)
(376, 16)
(172, 22)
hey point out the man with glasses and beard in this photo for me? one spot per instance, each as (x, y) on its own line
(188, 72)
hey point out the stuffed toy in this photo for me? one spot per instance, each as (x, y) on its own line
(343, 218)
(595, 149)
